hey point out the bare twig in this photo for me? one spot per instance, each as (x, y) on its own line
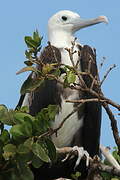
(70, 114)
(54, 131)
(113, 125)
(105, 76)
(101, 64)
(71, 51)
(85, 100)
(95, 81)
(102, 97)
(78, 61)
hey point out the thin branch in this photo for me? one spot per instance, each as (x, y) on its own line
(85, 100)
(105, 76)
(54, 131)
(78, 61)
(101, 64)
(71, 51)
(70, 114)
(113, 125)
(102, 97)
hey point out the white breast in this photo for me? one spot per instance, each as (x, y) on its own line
(71, 125)
(69, 128)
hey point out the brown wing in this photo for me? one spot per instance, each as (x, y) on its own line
(92, 119)
(48, 92)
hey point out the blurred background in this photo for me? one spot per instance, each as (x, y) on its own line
(21, 18)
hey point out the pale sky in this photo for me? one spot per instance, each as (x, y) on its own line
(21, 18)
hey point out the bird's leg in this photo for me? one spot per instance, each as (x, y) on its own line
(70, 150)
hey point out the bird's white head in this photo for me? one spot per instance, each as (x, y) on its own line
(63, 25)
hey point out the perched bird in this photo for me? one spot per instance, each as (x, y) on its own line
(83, 127)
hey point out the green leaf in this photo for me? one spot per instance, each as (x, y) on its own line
(30, 85)
(24, 109)
(5, 136)
(30, 42)
(22, 130)
(6, 117)
(27, 128)
(38, 127)
(23, 172)
(36, 162)
(28, 63)
(52, 111)
(40, 152)
(20, 117)
(37, 38)
(48, 67)
(3, 110)
(28, 143)
(28, 54)
(71, 77)
(9, 151)
(115, 155)
(16, 131)
(51, 149)
(76, 175)
(28, 68)
(43, 119)
(57, 72)
(24, 154)
(22, 149)
(26, 174)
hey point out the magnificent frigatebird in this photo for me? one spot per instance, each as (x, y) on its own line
(83, 127)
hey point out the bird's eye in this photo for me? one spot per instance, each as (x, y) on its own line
(64, 18)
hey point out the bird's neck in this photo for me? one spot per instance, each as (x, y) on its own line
(60, 39)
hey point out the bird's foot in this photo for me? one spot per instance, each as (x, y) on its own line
(81, 152)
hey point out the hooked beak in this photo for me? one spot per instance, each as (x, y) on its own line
(81, 23)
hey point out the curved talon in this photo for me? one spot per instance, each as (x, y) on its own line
(81, 153)
(87, 158)
(67, 156)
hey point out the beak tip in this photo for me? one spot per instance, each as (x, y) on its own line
(103, 19)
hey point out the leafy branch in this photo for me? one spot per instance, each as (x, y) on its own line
(28, 142)
(69, 81)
